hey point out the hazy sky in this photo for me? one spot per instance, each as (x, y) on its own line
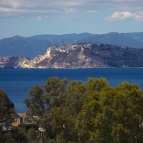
(33, 17)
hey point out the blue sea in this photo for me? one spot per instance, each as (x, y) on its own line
(17, 82)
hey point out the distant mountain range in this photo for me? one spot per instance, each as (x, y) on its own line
(30, 47)
(85, 55)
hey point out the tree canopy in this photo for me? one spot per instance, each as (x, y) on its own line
(7, 115)
(92, 112)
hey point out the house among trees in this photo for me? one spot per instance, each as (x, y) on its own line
(24, 123)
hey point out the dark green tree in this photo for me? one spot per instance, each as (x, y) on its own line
(94, 112)
(14, 136)
(120, 119)
(128, 116)
(41, 101)
(90, 109)
(7, 116)
(71, 105)
(32, 135)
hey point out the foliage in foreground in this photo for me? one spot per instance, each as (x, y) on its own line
(92, 112)
(8, 134)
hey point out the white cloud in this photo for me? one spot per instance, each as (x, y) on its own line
(124, 0)
(118, 16)
(10, 3)
(139, 16)
(69, 10)
(41, 8)
(40, 18)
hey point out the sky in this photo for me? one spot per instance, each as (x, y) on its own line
(35, 17)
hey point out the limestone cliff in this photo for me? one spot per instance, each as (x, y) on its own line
(85, 55)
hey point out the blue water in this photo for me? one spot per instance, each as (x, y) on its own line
(17, 82)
